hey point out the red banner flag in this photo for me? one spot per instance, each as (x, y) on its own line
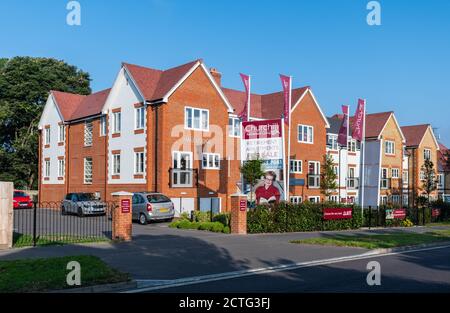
(342, 138)
(244, 114)
(286, 82)
(358, 124)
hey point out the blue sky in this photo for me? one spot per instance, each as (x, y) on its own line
(402, 65)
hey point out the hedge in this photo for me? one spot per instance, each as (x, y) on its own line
(288, 217)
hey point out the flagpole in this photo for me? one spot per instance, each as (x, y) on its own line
(346, 174)
(289, 141)
(249, 96)
(363, 161)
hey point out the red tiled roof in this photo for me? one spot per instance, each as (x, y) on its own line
(67, 103)
(155, 84)
(73, 106)
(91, 105)
(268, 106)
(414, 134)
(374, 122)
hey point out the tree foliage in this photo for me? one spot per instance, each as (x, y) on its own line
(252, 171)
(429, 183)
(328, 182)
(25, 83)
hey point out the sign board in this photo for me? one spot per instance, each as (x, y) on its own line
(263, 140)
(337, 213)
(297, 182)
(435, 212)
(243, 205)
(395, 214)
(125, 205)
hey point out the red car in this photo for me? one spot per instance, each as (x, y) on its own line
(21, 200)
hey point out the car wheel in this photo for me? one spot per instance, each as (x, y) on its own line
(143, 219)
(63, 211)
(80, 212)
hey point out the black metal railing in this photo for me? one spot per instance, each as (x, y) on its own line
(49, 223)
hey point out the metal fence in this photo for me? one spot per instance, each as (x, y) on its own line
(378, 216)
(48, 223)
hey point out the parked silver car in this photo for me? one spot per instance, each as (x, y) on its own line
(152, 206)
(82, 204)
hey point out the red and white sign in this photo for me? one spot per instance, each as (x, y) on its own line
(337, 213)
(263, 140)
(358, 125)
(125, 204)
(243, 205)
(287, 85)
(244, 114)
(399, 213)
(435, 212)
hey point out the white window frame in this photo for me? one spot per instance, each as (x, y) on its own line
(87, 177)
(296, 166)
(296, 199)
(139, 162)
(234, 127)
(47, 136)
(316, 199)
(422, 175)
(115, 168)
(383, 199)
(309, 133)
(405, 176)
(389, 144)
(316, 172)
(211, 159)
(334, 198)
(117, 122)
(47, 168)
(61, 168)
(177, 155)
(332, 142)
(139, 118)
(351, 145)
(103, 125)
(88, 133)
(396, 199)
(61, 133)
(440, 180)
(427, 154)
(200, 119)
(395, 173)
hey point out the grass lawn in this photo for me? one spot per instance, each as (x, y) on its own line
(37, 275)
(446, 223)
(379, 240)
(23, 240)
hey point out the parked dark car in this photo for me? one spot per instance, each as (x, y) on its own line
(82, 204)
(152, 206)
(21, 200)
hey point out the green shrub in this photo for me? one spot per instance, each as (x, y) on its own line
(223, 218)
(175, 224)
(406, 223)
(226, 230)
(201, 217)
(288, 217)
(217, 227)
(185, 216)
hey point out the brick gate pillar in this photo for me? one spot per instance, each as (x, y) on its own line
(122, 221)
(239, 214)
(6, 214)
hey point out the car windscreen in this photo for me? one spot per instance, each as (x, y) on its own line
(86, 197)
(157, 198)
(20, 194)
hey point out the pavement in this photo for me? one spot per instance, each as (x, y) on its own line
(158, 252)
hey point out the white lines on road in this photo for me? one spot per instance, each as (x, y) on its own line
(150, 285)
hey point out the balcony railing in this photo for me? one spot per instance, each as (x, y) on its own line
(183, 178)
(313, 180)
(385, 183)
(352, 183)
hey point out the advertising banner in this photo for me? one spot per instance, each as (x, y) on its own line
(337, 213)
(263, 140)
(395, 214)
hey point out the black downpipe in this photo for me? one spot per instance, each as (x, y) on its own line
(155, 148)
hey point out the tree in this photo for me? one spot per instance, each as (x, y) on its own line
(429, 182)
(252, 171)
(25, 83)
(328, 181)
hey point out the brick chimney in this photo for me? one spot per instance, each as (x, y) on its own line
(217, 75)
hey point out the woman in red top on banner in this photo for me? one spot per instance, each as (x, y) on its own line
(268, 193)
